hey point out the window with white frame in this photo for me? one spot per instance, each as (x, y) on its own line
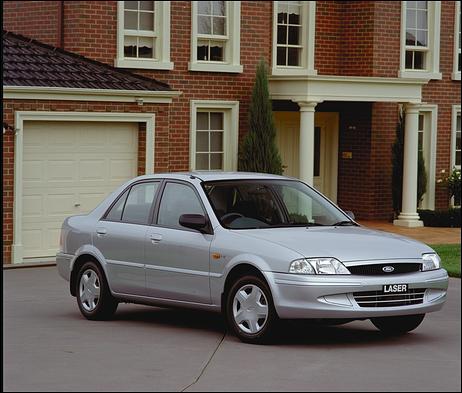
(215, 39)
(457, 42)
(456, 138)
(421, 133)
(293, 37)
(416, 34)
(289, 33)
(209, 140)
(214, 133)
(427, 147)
(420, 36)
(143, 34)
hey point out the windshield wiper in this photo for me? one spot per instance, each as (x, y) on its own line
(344, 224)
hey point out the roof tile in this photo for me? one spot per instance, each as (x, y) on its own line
(28, 62)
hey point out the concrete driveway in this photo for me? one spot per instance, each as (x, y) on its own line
(49, 346)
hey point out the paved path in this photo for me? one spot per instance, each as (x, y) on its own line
(48, 346)
(429, 235)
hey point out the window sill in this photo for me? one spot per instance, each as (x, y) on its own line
(456, 76)
(296, 71)
(214, 67)
(147, 64)
(408, 74)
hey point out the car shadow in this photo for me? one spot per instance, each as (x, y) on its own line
(189, 319)
(288, 333)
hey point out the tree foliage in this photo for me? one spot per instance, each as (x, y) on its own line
(258, 150)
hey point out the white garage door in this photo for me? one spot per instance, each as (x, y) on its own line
(68, 168)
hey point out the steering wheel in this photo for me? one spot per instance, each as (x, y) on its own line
(227, 217)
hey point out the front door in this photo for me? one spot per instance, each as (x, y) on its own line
(325, 156)
(177, 258)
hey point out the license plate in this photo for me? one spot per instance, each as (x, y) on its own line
(395, 288)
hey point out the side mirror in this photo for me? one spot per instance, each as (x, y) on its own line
(350, 214)
(194, 221)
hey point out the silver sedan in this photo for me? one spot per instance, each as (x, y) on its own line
(258, 248)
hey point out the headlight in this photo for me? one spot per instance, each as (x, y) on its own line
(318, 266)
(430, 262)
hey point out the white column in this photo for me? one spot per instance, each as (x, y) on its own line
(306, 164)
(409, 216)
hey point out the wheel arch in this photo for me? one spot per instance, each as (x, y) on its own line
(78, 263)
(240, 270)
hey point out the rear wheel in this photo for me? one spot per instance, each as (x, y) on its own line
(93, 295)
(250, 310)
(398, 325)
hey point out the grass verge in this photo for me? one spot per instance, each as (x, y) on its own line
(450, 257)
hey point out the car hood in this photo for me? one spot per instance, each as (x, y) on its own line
(347, 243)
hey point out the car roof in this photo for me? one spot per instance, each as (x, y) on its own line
(214, 176)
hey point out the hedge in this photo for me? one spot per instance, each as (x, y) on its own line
(441, 218)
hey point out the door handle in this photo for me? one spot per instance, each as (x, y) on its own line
(155, 238)
(77, 204)
(101, 231)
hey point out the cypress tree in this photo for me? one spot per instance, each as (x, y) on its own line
(258, 150)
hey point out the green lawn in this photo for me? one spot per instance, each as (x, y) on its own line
(450, 257)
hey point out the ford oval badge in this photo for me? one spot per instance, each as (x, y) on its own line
(388, 269)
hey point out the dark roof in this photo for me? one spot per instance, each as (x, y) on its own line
(27, 62)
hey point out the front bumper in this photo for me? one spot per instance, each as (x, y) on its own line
(300, 297)
(63, 263)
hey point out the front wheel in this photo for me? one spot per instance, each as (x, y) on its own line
(93, 295)
(250, 310)
(398, 325)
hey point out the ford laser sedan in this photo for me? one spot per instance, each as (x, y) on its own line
(256, 247)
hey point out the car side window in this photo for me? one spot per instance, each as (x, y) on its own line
(177, 199)
(139, 203)
(115, 214)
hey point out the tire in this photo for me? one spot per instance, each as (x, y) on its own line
(93, 295)
(398, 325)
(259, 315)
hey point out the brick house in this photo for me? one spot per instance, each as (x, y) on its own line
(101, 91)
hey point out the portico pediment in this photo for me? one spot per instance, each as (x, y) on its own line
(318, 88)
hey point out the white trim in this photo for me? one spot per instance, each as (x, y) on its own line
(231, 133)
(455, 111)
(232, 60)
(455, 72)
(432, 57)
(338, 88)
(22, 116)
(430, 111)
(162, 47)
(80, 94)
(308, 42)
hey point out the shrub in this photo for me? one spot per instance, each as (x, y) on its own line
(441, 218)
(452, 182)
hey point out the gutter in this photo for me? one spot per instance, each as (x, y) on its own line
(83, 94)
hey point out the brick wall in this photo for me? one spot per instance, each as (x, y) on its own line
(35, 19)
(354, 181)
(352, 38)
(386, 38)
(163, 153)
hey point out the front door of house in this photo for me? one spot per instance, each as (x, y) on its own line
(325, 157)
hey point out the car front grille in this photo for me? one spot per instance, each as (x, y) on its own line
(374, 270)
(379, 299)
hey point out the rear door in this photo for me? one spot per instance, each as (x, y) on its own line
(121, 235)
(177, 258)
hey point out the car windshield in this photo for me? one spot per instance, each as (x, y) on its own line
(248, 204)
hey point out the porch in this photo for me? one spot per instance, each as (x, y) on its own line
(335, 133)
